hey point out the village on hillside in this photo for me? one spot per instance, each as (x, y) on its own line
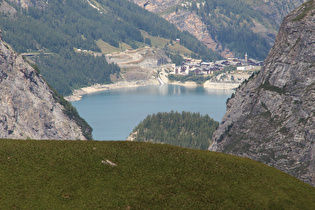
(198, 67)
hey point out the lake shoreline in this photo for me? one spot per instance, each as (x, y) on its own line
(114, 114)
(78, 93)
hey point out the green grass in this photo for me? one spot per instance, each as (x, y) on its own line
(176, 47)
(160, 42)
(71, 175)
(308, 6)
(125, 46)
(106, 48)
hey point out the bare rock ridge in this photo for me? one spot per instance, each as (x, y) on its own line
(28, 106)
(271, 118)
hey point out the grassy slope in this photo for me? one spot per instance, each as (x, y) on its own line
(106, 48)
(70, 174)
(160, 42)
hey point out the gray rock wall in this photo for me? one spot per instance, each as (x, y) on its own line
(272, 117)
(27, 106)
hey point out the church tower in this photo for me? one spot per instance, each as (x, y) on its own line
(246, 59)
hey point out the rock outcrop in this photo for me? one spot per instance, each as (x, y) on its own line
(25, 4)
(191, 22)
(29, 109)
(271, 117)
(7, 9)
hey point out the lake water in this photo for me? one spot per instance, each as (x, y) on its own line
(114, 114)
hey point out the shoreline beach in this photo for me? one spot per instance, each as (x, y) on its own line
(77, 94)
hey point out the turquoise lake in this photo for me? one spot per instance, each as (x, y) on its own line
(114, 114)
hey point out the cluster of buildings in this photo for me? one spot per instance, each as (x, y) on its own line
(193, 66)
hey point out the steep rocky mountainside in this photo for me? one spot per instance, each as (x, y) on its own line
(264, 20)
(28, 106)
(271, 117)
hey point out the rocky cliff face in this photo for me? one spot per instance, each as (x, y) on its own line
(178, 13)
(191, 22)
(28, 107)
(184, 20)
(271, 118)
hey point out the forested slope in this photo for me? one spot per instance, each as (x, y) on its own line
(56, 28)
(190, 130)
(230, 27)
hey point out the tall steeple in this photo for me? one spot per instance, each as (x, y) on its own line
(246, 59)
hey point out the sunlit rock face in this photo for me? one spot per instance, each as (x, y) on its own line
(271, 118)
(28, 108)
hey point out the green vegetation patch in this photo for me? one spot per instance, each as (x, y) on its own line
(284, 130)
(176, 47)
(158, 42)
(308, 6)
(190, 130)
(73, 24)
(267, 86)
(176, 58)
(69, 70)
(73, 114)
(168, 44)
(106, 48)
(75, 175)
(199, 79)
(230, 23)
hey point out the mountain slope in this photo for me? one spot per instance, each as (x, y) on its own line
(228, 27)
(132, 175)
(64, 37)
(271, 117)
(28, 106)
